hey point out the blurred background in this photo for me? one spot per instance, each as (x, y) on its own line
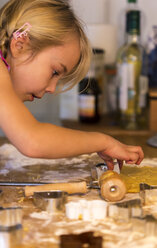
(105, 24)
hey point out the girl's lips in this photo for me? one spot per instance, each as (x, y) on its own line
(34, 96)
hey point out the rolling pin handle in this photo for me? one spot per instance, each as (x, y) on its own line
(70, 188)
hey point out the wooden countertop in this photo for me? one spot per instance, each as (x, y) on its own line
(138, 137)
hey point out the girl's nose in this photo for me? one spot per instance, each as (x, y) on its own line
(51, 88)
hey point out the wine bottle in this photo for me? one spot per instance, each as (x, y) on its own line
(90, 90)
(133, 84)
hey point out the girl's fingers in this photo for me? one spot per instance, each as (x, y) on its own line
(108, 160)
(136, 149)
(133, 158)
(120, 162)
(110, 164)
(101, 155)
(129, 154)
(140, 160)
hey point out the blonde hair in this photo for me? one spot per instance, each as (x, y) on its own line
(52, 21)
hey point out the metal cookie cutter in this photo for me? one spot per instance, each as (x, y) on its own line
(98, 170)
(11, 239)
(102, 167)
(150, 225)
(10, 219)
(96, 173)
(126, 210)
(148, 193)
(51, 201)
(10, 227)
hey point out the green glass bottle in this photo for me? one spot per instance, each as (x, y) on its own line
(132, 81)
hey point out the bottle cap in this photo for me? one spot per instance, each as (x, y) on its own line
(133, 22)
(132, 1)
(98, 51)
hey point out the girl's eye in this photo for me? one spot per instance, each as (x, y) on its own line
(55, 73)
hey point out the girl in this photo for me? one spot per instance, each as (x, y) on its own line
(43, 47)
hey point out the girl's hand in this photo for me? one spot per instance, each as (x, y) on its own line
(121, 152)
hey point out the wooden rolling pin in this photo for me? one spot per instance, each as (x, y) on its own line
(112, 187)
(70, 188)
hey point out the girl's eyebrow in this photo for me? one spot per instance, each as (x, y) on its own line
(64, 67)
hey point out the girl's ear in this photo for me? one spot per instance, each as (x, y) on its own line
(18, 46)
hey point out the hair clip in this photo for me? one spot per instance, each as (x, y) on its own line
(17, 33)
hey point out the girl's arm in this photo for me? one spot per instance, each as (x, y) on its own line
(43, 140)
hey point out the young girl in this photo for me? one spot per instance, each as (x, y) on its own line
(43, 46)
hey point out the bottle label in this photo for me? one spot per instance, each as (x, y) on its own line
(143, 82)
(87, 105)
(126, 76)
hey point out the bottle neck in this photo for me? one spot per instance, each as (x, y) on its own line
(132, 6)
(133, 38)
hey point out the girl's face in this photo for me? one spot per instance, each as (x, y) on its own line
(40, 75)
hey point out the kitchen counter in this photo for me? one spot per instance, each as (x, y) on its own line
(42, 229)
(138, 137)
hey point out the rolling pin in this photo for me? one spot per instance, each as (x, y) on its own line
(70, 188)
(112, 187)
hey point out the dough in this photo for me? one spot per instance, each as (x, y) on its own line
(133, 176)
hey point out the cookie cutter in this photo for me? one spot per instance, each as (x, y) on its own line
(126, 209)
(102, 167)
(97, 171)
(50, 201)
(148, 193)
(10, 226)
(11, 239)
(150, 225)
(147, 225)
(144, 186)
(10, 219)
